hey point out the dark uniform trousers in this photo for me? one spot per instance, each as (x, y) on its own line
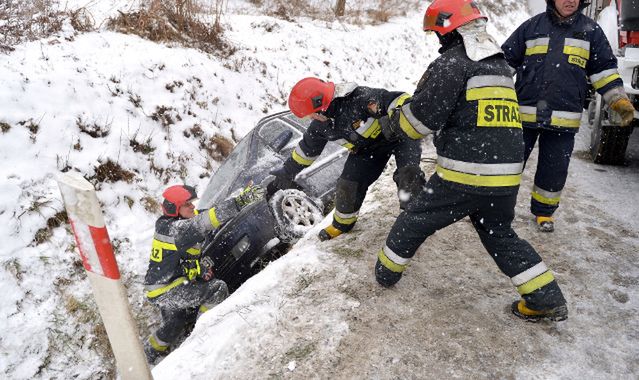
(182, 304)
(555, 149)
(361, 170)
(439, 206)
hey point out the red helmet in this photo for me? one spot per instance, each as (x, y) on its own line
(310, 95)
(175, 197)
(444, 16)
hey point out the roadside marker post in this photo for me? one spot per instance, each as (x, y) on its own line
(92, 238)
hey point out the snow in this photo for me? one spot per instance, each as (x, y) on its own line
(316, 312)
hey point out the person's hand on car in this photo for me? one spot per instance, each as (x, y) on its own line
(250, 194)
(283, 180)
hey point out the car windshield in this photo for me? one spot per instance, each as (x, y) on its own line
(224, 177)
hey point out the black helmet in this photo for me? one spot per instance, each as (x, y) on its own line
(175, 197)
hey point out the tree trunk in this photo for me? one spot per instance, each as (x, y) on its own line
(340, 6)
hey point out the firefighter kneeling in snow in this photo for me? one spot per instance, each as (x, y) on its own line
(350, 116)
(179, 280)
(467, 97)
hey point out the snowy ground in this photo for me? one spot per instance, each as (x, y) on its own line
(316, 312)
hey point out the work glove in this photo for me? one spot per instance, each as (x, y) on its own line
(283, 180)
(410, 181)
(390, 124)
(206, 268)
(248, 195)
(625, 109)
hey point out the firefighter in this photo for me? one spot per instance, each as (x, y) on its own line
(555, 55)
(349, 115)
(180, 281)
(467, 99)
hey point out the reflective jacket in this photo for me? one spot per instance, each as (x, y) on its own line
(472, 107)
(350, 124)
(176, 252)
(554, 60)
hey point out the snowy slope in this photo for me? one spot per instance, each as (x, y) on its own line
(317, 311)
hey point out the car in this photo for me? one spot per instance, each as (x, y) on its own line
(265, 229)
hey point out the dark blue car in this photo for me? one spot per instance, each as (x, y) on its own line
(266, 229)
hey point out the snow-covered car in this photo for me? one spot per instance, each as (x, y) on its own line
(266, 228)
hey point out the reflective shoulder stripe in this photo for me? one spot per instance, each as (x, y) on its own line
(480, 169)
(577, 47)
(164, 245)
(490, 81)
(392, 261)
(491, 93)
(529, 274)
(537, 46)
(546, 197)
(397, 102)
(301, 158)
(604, 77)
(164, 238)
(565, 119)
(193, 251)
(411, 125)
(369, 128)
(536, 283)
(159, 289)
(478, 180)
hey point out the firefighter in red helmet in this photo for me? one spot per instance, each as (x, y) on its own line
(467, 98)
(180, 281)
(351, 116)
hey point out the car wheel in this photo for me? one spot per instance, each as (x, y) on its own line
(608, 140)
(295, 214)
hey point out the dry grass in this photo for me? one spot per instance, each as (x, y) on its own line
(174, 21)
(111, 171)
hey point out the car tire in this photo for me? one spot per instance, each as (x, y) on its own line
(608, 141)
(295, 214)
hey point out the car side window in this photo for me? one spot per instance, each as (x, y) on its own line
(272, 133)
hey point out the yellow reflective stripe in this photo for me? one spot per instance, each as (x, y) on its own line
(159, 291)
(479, 180)
(157, 250)
(578, 51)
(193, 251)
(498, 113)
(527, 117)
(548, 201)
(397, 102)
(408, 128)
(565, 123)
(301, 160)
(213, 218)
(371, 130)
(491, 93)
(157, 346)
(605, 80)
(390, 264)
(539, 49)
(203, 309)
(536, 283)
(341, 220)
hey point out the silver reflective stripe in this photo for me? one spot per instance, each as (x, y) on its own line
(528, 110)
(300, 153)
(365, 125)
(164, 238)
(480, 169)
(160, 341)
(396, 100)
(566, 115)
(546, 193)
(419, 127)
(347, 216)
(578, 43)
(529, 274)
(538, 42)
(602, 74)
(343, 89)
(490, 81)
(392, 256)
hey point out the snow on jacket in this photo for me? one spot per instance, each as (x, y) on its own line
(555, 59)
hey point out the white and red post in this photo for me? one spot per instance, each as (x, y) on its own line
(92, 238)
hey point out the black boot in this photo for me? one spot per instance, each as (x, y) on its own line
(386, 277)
(555, 314)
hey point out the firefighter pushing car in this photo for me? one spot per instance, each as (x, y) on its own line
(467, 99)
(349, 115)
